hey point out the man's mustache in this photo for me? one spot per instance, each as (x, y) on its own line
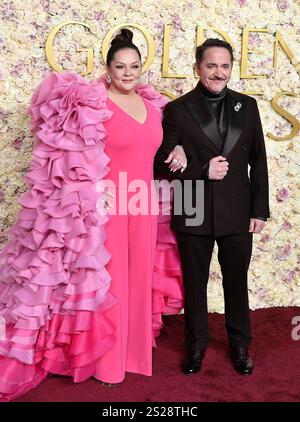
(218, 79)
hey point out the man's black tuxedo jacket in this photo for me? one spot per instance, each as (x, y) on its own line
(229, 203)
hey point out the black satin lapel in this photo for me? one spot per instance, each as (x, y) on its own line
(235, 122)
(205, 119)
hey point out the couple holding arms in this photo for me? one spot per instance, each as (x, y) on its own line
(82, 292)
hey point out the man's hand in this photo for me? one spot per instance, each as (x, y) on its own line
(256, 226)
(218, 168)
(177, 159)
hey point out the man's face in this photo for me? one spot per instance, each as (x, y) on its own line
(215, 69)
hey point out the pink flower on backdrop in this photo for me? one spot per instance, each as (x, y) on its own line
(283, 5)
(286, 225)
(242, 2)
(261, 293)
(177, 22)
(214, 275)
(255, 40)
(290, 276)
(99, 16)
(265, 238)
(45, 4)
(159, 25)
(283, 252)
(282, 194)
(17, 143)
(3, 238)
(7, 11)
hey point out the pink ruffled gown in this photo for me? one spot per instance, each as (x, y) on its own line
(61, 296)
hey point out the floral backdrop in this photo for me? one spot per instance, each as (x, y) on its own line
(24, 26)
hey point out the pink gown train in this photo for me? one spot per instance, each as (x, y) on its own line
(66, 277)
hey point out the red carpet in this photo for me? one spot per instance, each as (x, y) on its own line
(276, 375)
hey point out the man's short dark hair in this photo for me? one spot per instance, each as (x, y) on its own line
(212, 42)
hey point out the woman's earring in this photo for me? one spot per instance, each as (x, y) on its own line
(108, 79)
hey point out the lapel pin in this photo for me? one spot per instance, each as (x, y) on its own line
(237, 107)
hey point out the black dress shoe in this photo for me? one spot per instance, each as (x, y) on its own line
(241, 360)
(193, 363)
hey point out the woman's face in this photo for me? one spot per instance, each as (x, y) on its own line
(125, 70)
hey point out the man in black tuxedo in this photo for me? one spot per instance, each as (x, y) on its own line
(220, 131)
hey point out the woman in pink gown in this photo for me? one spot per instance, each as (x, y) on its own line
(131, 240)
(82, 291)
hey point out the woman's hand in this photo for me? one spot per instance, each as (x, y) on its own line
(177, 159)
(106, 200)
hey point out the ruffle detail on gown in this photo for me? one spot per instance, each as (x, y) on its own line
(167, 292)
(54, 288)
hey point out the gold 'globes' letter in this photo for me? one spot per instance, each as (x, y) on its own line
(168, 94)
(294, 122)
(287, 50)
(49, 48)
(245, 52)
(165, 64)
(200, 35)
(144, 31)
